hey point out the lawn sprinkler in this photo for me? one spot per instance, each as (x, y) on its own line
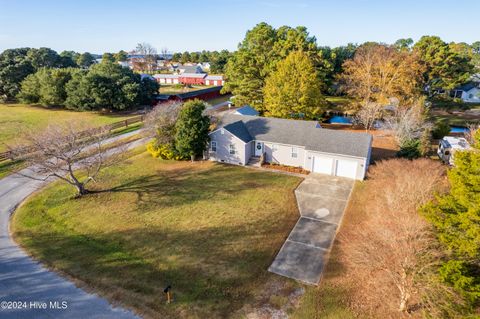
(168, 293)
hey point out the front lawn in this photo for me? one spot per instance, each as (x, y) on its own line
(16, 118)
(209, 230)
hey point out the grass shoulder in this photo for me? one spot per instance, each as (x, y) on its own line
(209, 230)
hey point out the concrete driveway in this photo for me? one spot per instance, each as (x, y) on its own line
(29, 290)
(321, 201)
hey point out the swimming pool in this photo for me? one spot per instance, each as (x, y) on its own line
(337, 119)
(458, 129)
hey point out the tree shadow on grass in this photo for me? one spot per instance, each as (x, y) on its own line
(210, 274)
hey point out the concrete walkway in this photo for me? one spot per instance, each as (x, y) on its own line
(321, 201)
(35, 289)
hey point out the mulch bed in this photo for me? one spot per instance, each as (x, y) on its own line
(291, 169)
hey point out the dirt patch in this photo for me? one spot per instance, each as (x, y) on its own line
(291, 169)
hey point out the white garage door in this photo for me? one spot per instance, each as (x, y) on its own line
(346, 168)
(322, 165)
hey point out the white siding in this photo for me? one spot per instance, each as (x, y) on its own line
(283, 154)
(223, 148)
(472, 96)
(361, 162)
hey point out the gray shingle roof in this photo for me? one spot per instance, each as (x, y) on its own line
(239, 129)
(466, 87)
(298, 132)
(192, 75)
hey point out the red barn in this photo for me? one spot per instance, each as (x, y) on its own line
(192, 78)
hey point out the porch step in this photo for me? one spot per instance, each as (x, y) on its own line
(254, 161)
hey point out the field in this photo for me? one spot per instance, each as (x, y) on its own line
(209, 230)
(17, 118)
(179, 88)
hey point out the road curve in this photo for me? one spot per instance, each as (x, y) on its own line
(28, 289)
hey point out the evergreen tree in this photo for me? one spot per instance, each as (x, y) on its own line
(192, 129)
(293, 89)
(456, 218)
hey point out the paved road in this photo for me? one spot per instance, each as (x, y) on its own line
(321, 200)
(24, 280)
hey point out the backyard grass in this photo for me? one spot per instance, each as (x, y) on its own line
(16, 118)
(208, 230)
(219, 99)
(339, 103)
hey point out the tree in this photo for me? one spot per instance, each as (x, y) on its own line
(44, 58)
(62, 149)
(293, 89)
(192, 129)
(218, 61)
(455, 216)
(194, 57)
(403, 44)
(85, 60)
(257, 56)
(108, 86)
(185, 58)
(108, 58)
(408, 123)
(68, 59)
(378, 73)
(120, 56)
(444, 67)
(160, 126)
(14, 67)
(46, 86)
(146, 61)
(392, 249)
(176, 57)
(368, 114)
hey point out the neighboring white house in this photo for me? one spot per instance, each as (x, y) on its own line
(469, 93)
(291, 142)
(449, 145)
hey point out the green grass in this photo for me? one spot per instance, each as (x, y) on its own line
(220, 99)
(17, 118)
(209, 230)
(339, 103)
(179, 88)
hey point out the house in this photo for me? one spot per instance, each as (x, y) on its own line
(246, 110)
(469, 93)
(449, 145)
(167, 78)
(189, 69)
(205, 66)
(192, 78)
(214, 80)
(297, 143)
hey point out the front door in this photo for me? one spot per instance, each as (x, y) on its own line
(258, 148)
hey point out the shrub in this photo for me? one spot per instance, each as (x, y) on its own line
(440, 130)
(410, 149)
(163, 151)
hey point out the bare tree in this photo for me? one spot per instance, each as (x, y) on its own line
(146, 61)
(60, 150)
(408, 123)
(164, 53)
(368, 114)
(393, 251)
(160, 122)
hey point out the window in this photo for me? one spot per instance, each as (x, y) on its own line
(213, 146)
(232, 149)
(274, 148)
(294, 152)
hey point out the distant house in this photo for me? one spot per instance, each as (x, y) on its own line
(167, 78)
(469, 93)
(205, 66)
(214, 80)
(290, 142)
(246, 110)
(189, 69)
(147, 76)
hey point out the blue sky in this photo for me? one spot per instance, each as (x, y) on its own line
(99, 26)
